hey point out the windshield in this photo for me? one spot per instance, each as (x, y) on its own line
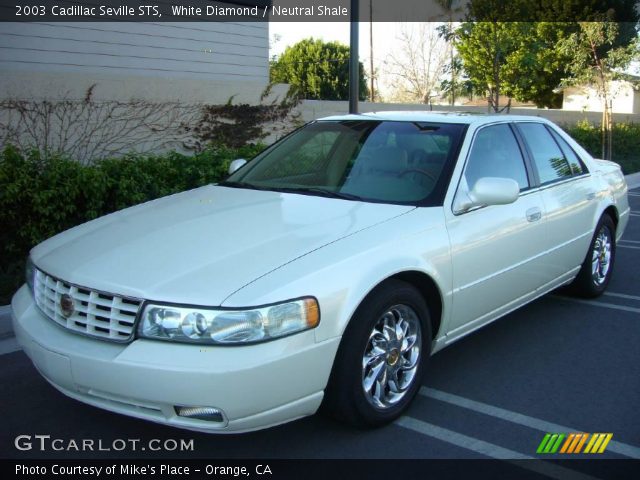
(396, 162)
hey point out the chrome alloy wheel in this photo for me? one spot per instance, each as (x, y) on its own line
(601, 258)
(392, 356)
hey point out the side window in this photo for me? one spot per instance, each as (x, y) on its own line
(549, 159)
(577, 167)
(495, 153)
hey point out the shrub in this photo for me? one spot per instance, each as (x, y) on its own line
(40, 197)
(626, 142)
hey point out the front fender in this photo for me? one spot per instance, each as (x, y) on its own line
(342, 274)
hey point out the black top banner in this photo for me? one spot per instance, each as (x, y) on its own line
(317, 10)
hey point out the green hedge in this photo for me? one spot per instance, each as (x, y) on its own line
(626, 142)
(41, 197)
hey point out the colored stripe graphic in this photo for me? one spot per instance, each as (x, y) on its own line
(556, 445)
(550, 443)
(543, 443)
(598, 443)
(570, 444)
(606, 441)
(594, 437)
(581, 443)
(573, 443)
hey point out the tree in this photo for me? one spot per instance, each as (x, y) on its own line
(536, 66)
(520, 60)
(452, 86)
(485, 44)
(505, 56)
(418, 64)
(455, 83)
(598, 58)
(317, 70)
(484, 48)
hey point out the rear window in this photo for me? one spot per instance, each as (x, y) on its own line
(577, 167)
(547, 156)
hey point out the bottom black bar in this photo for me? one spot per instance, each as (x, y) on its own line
(323, 469)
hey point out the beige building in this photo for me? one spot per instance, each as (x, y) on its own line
(184, 61)
(145, 82)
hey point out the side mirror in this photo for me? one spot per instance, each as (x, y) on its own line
(236, 165)
(495, 191)
(490, 191)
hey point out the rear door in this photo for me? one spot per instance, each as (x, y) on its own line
(567, 194)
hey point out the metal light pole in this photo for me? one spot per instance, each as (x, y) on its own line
(373, 93)
(354, 73)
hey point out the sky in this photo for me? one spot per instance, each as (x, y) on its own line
(292, 32)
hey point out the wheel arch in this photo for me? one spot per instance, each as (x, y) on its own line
(338, 400)
(429, 290)
(612, 211)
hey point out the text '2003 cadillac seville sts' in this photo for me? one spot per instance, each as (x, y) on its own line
(326, 270)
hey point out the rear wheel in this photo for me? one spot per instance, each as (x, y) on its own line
(379, 365)
(596, 271)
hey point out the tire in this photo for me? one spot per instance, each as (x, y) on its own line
(395, 363)
(597, 268)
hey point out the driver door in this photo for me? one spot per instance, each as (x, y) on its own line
(496, 250)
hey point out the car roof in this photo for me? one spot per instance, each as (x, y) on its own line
(434, 116)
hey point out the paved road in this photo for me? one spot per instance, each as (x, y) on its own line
(557, 365)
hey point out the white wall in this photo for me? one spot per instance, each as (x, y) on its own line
(312, 109)
(586, 99)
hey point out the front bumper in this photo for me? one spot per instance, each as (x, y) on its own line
(255, 386)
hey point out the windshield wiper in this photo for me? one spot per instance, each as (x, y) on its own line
(233, 184)
(322, 192)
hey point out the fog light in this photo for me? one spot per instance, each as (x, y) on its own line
(201, 413)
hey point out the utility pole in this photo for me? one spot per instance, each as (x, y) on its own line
(354, 73)
(373, 95)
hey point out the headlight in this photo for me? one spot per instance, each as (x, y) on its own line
(226, 326)
(30, 272)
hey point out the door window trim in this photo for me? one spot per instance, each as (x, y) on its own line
(533, 186)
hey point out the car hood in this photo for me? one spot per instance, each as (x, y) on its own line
(200, 246)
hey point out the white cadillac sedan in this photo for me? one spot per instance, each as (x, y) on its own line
(324, 271)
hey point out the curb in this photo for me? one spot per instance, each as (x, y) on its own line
(633, 181)
(6, 330)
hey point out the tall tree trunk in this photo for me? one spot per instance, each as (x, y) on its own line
(603, 132)
(610, 132)
(453, 67)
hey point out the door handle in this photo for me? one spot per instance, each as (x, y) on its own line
(591, 195)
(534, 214)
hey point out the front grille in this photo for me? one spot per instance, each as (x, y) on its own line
(97, 314)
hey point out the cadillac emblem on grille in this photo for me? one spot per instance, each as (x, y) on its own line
(66, 305)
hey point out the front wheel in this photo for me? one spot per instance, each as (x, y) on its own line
(379, 365)
(596, 271)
